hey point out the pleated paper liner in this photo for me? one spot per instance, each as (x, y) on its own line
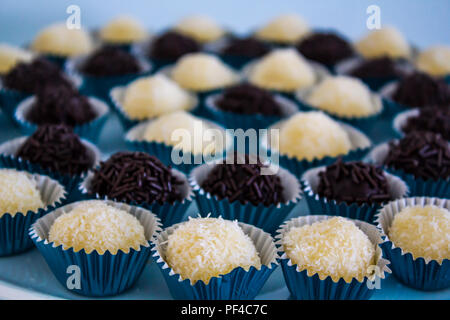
(267, 218)
(239, 284)
(365, 212)
(8, 159)
(415, 272)
(168, 213)
(99, 86)
(117, 96)
(14, 228)
(233, 120)
(304, 286)
(366, 124)
(101, 275)
(401, 119)
(417, 186)
(185, 162)
(90, 130)
(359, 141)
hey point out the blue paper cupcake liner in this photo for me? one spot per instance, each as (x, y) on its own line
(14, 237)
(90, 131)
(413, 272)
(70, 182)
(365, 212)
(310, 287)
(101, 275)
(239, 284)
(267, 218)
(417, 186)
(232, 120)
(168, 213)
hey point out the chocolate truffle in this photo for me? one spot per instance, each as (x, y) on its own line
(248, 99)
(135, 177)
(59, 104)
(172, 45)
(95, 225)
(434, 119)
(110, 61)
(28, 77)
(382, 67)
(57, 148)
(354, 182)
(202, 248)
(244, 183)
(245, 47)
(423, 154)
(326, 48)
(421, 90)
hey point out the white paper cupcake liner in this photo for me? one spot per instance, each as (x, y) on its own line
(401, 119)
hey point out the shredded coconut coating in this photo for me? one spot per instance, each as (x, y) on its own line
(203, 248)
(435, 61)
(343, 96)
(423, 232)
(185, 132)
(58, 39)
(202, 72)
(310, 135)
(283, 70)
(18, 193)
(386, 41)
(335, 247)
(286, 28)
(123, 29)
(95, 225)
(201, 28)
(10, 56)
(153, 96)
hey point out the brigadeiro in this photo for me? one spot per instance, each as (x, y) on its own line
(170, 46)
(351, 189)
(325, 47)
(110, 61)
(239, 51)
(434, 119)
(139, 178)
(245, 188)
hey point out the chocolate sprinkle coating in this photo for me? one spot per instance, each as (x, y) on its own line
(248, 99)
(423, 154)
(421, 90)
(433, 119)
(172, 45)
(326, 48)
(244, 183)
(56, 104)
(29, 77)
(383, 67)
(110, 61)
(58, 148)
(136, 177)
(354, 182)
(246, 47)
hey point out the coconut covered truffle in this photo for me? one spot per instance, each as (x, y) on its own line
(335, 247)
(435, 61)
(202, 248)
(386, 41)
(201, 28)
(283, 70)
(286, 28)
(123, 30)
(154, 96)
(18, 193)
(10, 56)
(312, 135)
(186, 132)
(423, 232)
(95, 225)
(343, 96)
(202, 72)
(58, 39)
